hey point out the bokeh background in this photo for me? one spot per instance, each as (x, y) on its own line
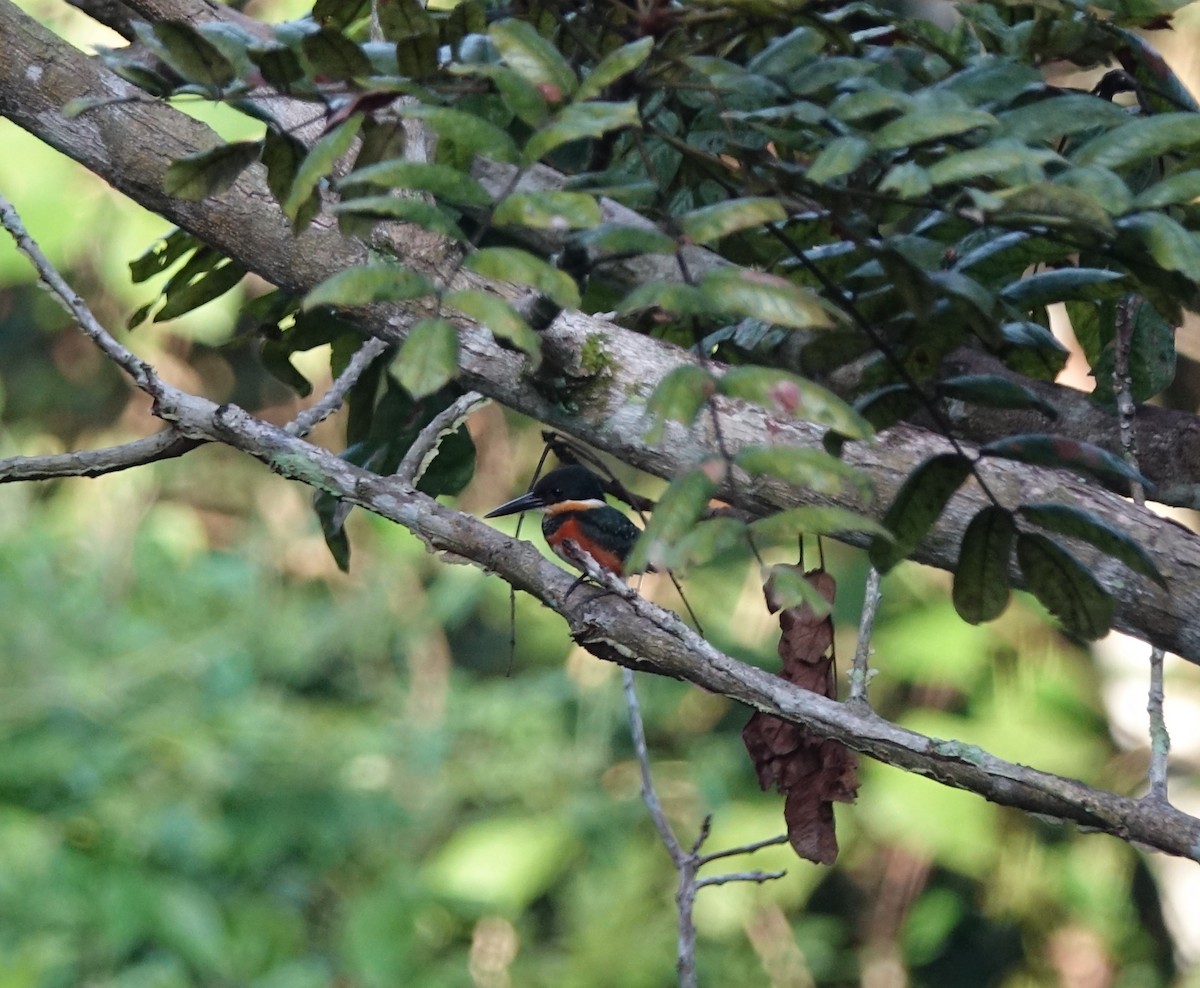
(225, 762)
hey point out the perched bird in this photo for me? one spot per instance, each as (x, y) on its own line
(572, 498)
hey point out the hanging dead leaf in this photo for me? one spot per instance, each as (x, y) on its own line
(811, 771)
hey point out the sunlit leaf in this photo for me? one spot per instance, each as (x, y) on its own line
(523, 268)
(741, 292)
(1046, 287)
(548, 210)
(471, 133)
(402, 209)
(1066, 519)
(318, 163)
(428, 357)
(579, 121)
(711, 223)
(931, 124)
(918, 504)
(678, 397)
(1141, 138)
(1065, 586)
(534, 58)
(617, 63)
(619, 238)
(441, 180)
(676, 512)
(981, 588)
(499, 318)
(839, 157)
(788, 394)
(810, 469)
(367, 283)
(1173, 247)
(669, 296)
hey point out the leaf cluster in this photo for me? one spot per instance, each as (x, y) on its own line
(875, 188)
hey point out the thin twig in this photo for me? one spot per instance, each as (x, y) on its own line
(758, 877)
(161, 445)
(860, 671)
(424, 448)
(1160, 739)
(142, 373)
(744, 848)
(332, 399)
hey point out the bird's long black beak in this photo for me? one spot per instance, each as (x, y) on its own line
(526, 502)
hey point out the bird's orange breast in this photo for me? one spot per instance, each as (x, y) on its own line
(571, 528)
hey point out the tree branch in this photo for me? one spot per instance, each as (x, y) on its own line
(601, 400)
(163, 445)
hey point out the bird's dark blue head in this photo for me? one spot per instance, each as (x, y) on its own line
(569, 484)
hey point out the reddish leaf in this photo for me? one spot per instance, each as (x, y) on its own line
(812, 771)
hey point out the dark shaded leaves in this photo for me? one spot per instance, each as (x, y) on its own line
(917, 506)
(1065, 586)
(1077, 523)
(981, 589)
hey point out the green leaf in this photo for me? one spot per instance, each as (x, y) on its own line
(1173, 247)
(995, 161)
(613, 66)
(711, 223)
(330, 55)
(1047, 287)
(981, 588)
(742, 292)
(533, 58)
(678, 397)
(211, 172)
(706, 541)
(579, 121)
(786, 54)
(1065, 586)
(441, 180)
(406, 21)
(375, 282)
(906, 181)
(162, 255)
(786, 587)
(521, 267)
(930, 124)
(1077, 523)
(784, 527)
(276, 358)
(677, 511)
(499, 318)
(1066, 454)
(317, 164)
(886, 406)
(619, 238)
(184, 293)
(1182, 187)
(280, 67)
(404, 210)
(995, 391)
(470, 133)
(793, 396)
(339, 13)
(811, 469)
(1141, 138)
(549, 210)
(428, 357)
(669, 296)
(1061, 116)
(188, 52)
(521, 96)
(918, 504)
(838, 158)
(1052, 205)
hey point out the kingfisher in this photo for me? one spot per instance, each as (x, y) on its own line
(572, 498)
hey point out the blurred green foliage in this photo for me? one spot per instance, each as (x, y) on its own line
(224, 763)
